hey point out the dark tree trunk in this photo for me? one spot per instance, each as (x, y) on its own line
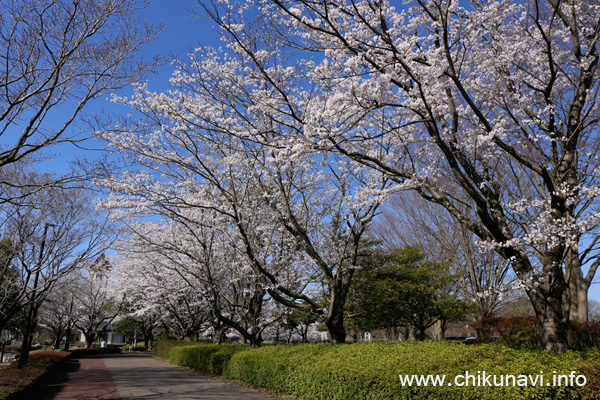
(67, 338)
(552, 322)
(90, 336)
(335, 318)
(335, 325)
(304, 333)
(30, 327)
(255, 341)
(57, 341)
(147, 341)
(219, 334)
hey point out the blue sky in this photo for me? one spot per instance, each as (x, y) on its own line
(182, 33)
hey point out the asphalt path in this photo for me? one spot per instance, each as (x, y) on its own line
(139, 376)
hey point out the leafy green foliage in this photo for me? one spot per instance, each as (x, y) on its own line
(371, 370)
(130, 327)
(403, 288)
(139, 347)
(163, 347)
(208, 357)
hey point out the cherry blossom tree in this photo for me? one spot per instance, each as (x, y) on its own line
(195, 286)
(97, 307)
(495, 101)
(49, 231)
(293, 220)
(297, 218)
(58, 311)
(156, 294)
(295, 215)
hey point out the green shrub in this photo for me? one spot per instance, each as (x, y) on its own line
(371, 371)
(220, 359)
(162, 347)
(138, 347)
(210, 358)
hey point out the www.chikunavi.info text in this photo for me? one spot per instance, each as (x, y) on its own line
(481, 378)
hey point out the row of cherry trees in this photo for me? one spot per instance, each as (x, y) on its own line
(81, 302)
(242, 222)
(49, 231)
(58, 57)
(282, 145)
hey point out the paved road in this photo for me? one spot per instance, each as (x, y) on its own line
(138, 376)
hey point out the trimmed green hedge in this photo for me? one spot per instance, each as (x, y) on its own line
(208, 358)
(162, 347)
(371, 370)
(138, 347)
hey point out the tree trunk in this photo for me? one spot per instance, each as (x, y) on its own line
(67, 338)
(89, 339)
(335, 317)
(582, 305)
(553, 333)
(548, 305)
(395, 334)
(25, 348)
(255, 339)
(57, 341)
(576, 300)
(438, 330)
(578, 288)
(219, 334)
(335, 325)
(421, 335)
(27, 341)
(304, 333)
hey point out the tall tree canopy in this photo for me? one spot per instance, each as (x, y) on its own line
(487, 108)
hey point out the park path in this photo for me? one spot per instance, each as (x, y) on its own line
(138, 376)
(86, 379)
